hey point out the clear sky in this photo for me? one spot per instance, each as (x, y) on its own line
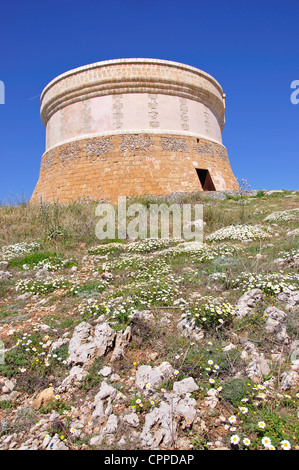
(250, 47)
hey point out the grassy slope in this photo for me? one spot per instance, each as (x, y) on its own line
(68, 233)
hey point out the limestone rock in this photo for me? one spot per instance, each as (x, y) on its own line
(99, 411)
(81, 346)
(104, 337)
(186, 408)
(58, 343)
(288, 379)
(111, 425)
(77, 374)
(42, 274)
(258, 368)
(56, 444)
(87, 343)
(105, 371)
(121, 343)
(249, 300)
(164, 424)
(290, 297)
(155, 376)
(187, 385)
(43, 398)
(211, 399)
(9, 385)
(131, 419)
(3, 265)
(190, 329)
(275, 323)
(105, 391)
(4, 275)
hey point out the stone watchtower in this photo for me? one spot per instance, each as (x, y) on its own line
(132, 127)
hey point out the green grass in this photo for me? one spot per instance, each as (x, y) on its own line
(32, 259)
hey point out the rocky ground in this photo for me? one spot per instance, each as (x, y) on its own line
(152, 344)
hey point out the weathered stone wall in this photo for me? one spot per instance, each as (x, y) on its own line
(127, 165)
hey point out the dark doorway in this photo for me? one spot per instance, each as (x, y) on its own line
(205, 180)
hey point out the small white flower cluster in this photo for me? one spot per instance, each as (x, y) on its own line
(240, 232)
(41, 287)
(293, 233)
(155, 291)
(210, 311)
(38, 351)
(272, 283)
(91, 307)
(288, 254)
(282, 216)
(113, 309)
(150, 244)
(218, 276)
(12, 251)
(139, 266)
(132, 261)
(50, 264)
(201, 252)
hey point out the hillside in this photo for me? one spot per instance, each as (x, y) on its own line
(151, 344)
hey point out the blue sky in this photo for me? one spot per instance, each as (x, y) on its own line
(250, 47)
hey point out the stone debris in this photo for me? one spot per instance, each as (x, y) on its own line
(185, 386)
(154, 376)
(248, 301)
(190, 329)
(276, 324)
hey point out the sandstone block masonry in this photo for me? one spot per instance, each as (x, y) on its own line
(132, 127)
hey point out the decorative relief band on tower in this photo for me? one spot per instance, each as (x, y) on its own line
(153, 111)
(117, 111)
(173, 144)
(184, 114)
(96, 148)
(139, 143)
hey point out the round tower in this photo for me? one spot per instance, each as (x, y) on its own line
(132, 127)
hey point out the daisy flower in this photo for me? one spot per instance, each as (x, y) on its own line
(285, 445)
(266, 441)
(261, 424)
(243, 409)
(246, 441)
(232, 419)
(235, 439)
